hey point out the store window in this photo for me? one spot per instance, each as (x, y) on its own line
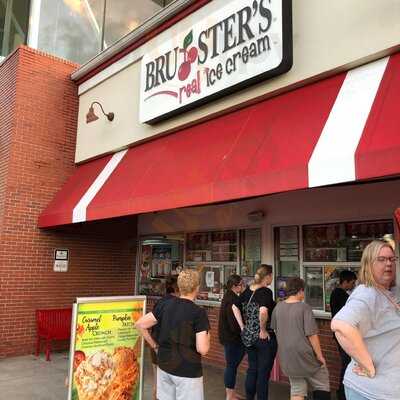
(215, 254)
(327, 249)
(14, 17)
(160, 257)
(78, 30)
(122, 17)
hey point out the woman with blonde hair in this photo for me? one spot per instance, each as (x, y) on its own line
(368, 328)
(257, 304)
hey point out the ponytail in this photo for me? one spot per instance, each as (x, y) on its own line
(263, 271)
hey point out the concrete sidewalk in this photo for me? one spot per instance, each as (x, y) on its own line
(31, 378)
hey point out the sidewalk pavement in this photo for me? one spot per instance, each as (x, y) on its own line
(31, 378)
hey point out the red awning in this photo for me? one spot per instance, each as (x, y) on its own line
(337, 130)
(397, 217)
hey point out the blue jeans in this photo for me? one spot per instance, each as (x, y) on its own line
(261, 358)
(351, 394)
(234, 353)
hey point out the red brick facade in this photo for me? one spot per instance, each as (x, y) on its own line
(38, 112)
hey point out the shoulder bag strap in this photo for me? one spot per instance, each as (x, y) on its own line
(391, 299)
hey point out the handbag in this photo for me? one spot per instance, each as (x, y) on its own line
(251, 330)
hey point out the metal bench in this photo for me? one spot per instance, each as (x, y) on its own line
(52, 324)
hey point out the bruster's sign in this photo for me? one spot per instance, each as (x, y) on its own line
(242, 42)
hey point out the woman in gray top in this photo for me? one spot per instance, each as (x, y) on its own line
(368, 329)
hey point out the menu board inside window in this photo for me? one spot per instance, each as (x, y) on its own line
(218, 246)
(287, 257)
(361, 233)
(287, 250)
(343, 242)
(325, 243)
(250, 259)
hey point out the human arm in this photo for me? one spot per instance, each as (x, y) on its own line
(203, 342)
(202, 331)
(238, 316)
(263, 317)
(350, 338)
(143, 325)
(266, 302)
(316, 345)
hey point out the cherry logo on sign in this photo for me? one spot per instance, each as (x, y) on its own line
(190, 56)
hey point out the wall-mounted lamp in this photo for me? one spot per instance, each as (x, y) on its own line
(91, 116)
(256, 216)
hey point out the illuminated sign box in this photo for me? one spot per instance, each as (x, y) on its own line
(242, 43)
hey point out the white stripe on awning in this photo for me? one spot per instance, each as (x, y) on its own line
(333, 158)
(79, 212)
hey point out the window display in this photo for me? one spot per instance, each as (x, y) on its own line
(327, 250)
(342, 242)
(211, 246)
(331, 281)
(159, 258)
(314, 287)
(325, 243)
(286, 256)
(250, 253)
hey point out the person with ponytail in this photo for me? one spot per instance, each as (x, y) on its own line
(257, 304)
(229, 335)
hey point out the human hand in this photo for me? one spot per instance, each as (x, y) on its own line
(322, 360)
(264, 335)
(364, 371)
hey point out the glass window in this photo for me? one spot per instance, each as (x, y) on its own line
(331, 280)
(3, 8)
(343, 242)
(324, 243)
(160, 257)
(286, 256)
(71, 29)
(359, 234)
(314, 287)
(250, 251)
(211, 246)
(327, 250)
(14, 16)
(122, 17)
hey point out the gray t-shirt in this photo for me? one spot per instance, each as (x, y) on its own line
(292, 323)
(376, 317)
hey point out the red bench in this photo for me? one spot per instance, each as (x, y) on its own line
(54, 324)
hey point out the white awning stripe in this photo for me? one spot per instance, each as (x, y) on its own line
(333, 159)
(79, 212)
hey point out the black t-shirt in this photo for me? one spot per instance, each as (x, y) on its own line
(338, 299)
(180, 320)
(228, 328)
(156, 328)
(263, 297)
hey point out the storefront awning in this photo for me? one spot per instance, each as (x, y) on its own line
(341, 129)
(397, 217)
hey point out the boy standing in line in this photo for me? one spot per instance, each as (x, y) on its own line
(339, 296)
(299, 348)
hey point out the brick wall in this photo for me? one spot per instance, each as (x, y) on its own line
(38, 111)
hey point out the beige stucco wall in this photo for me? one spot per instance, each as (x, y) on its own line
(328, 36)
